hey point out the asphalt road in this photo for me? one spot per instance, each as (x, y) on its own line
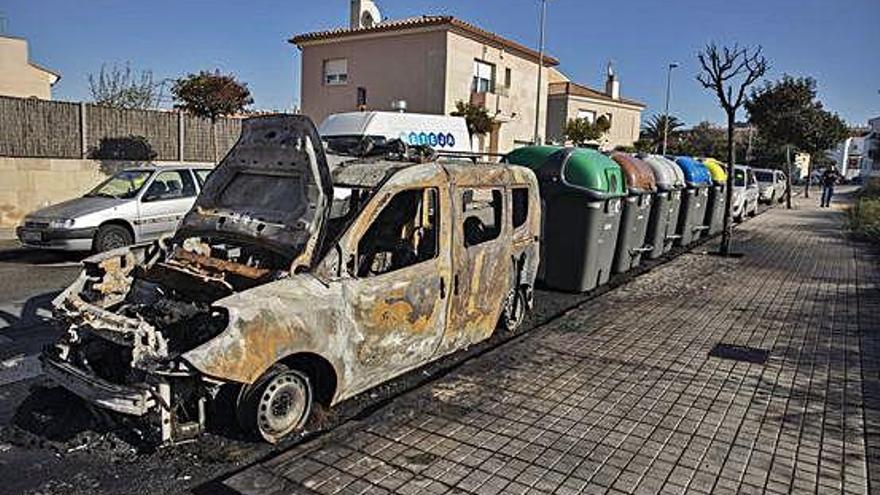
(25, 273)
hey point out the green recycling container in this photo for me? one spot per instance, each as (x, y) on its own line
(581, 193)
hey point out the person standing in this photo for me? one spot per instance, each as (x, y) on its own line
(829, 179)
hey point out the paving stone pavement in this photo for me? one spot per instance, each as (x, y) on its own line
(624, 394)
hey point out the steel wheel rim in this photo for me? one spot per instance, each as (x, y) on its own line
(283, 406)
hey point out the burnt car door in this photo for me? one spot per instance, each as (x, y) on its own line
(398, 263)
(481, 250)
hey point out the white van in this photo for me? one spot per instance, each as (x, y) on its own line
(441, 132)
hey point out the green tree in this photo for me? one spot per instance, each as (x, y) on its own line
(728, 72)
(479, 123)
(655, 128)
(211, 95)
(120, 87)
(582, 131)
(788, 113)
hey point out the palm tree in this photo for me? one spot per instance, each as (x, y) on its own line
(654, 128)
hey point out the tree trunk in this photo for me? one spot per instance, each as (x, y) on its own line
(809, 180)
(727, 230)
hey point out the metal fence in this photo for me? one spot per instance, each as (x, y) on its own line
(31, 128)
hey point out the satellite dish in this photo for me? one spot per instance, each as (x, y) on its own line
(364, 14)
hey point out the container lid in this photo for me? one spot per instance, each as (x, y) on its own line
(667, 174)
(716, 170)
(695, 173)
(639, 175)
(580, 168)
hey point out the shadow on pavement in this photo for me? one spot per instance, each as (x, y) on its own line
(13, 253)
(30, 314)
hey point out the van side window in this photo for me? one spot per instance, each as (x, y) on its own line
(520, 206)
(482, 215)
(403, 234)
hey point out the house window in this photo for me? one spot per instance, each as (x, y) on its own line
(484, 77)
(508, 75)
(588, 115)
(336, 71)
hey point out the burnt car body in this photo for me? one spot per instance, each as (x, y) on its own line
(297, 284)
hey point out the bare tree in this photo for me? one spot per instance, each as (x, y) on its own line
(120, 87)
(728, 72)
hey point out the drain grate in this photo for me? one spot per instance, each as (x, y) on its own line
(739, 353)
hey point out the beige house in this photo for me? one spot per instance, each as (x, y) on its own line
(430, 63)
(20, 77)
(568, 100)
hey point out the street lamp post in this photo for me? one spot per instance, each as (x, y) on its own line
(666, 113)
(537, 137)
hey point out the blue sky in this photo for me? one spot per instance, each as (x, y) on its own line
(833, 40)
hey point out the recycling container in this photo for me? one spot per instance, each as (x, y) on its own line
(581, 191)
(663, 223)
(694, 200)
(635, 212)
(717, 196)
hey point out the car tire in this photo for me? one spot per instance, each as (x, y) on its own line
(111, 236)
(277, 405)
(513, 312)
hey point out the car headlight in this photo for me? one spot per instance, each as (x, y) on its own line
(61, 223)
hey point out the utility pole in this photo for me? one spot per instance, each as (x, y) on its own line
(537, 137)
(666, 112)
(788, 177)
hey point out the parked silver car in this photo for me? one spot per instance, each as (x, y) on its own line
(771, 185)
(745, 192)
(132, 206)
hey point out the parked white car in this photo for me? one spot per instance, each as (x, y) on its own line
(745, 192)
(771, 185)
(133, 206)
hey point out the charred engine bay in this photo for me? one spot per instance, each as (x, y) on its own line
(174, 287)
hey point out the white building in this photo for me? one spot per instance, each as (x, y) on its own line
(848, 156)
(870, 162)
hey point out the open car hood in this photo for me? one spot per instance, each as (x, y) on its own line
(273, 187)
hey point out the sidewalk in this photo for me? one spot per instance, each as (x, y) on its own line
(708, 375)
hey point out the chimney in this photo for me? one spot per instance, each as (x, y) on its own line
(612, 85)
(364, 14)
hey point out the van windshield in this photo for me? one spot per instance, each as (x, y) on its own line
(352, 144)
(122, 185)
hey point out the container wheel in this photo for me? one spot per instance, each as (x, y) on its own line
(277, 404)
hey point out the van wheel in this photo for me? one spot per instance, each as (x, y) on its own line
(111, 236)
(277, 404)
(514, 311)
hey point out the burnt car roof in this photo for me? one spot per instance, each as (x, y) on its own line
(371, 173)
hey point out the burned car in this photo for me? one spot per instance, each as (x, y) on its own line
(293, 285)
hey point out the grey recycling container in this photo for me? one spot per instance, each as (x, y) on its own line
(635, 213)
(663, 223)
(694, 200)
(581, 191)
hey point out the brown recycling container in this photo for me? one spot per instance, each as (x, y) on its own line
(636, 211)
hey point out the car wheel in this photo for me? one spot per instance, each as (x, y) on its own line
(277, 404)
(111, 237)
(514, 311)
